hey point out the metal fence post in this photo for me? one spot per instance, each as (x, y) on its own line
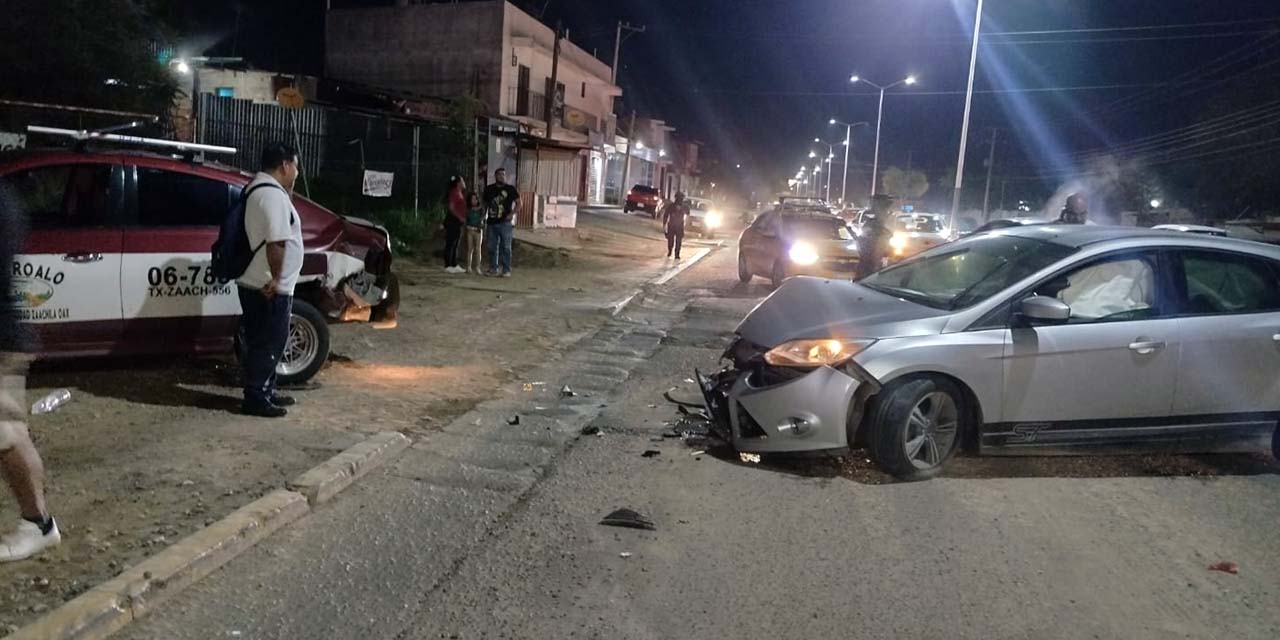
(416, 141)
(297, 138)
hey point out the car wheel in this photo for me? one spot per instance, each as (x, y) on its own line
(306, 348)
(915, 427)
(744, 271)
(778, 274)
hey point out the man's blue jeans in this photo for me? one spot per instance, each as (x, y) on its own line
(498, 245)
(266, 329)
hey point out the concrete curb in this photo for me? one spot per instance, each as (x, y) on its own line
(618, 307)
(110, 606)
(323, 481)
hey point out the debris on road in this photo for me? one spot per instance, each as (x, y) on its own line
(590, 430)
(1225, 567)
(751, 458)
(697, 453)
(696, 404)
(689, 380)
(513, 420)
(51, 402)
(628, 519)
(624, 554)
(528, 386)
(650, 453)
(566, 392)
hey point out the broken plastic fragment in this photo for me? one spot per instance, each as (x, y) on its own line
(697, 453)
(752, 458)
(566, 392)
(590, 430)
(629, 519)
(650, 453)
(513, 420)
(624, 554)
(1225, 567)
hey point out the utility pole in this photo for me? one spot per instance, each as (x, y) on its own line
(991, 161)
(554, 88)
(626, 162)
(617, 46)
(964, 128)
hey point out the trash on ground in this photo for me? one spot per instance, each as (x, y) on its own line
(51, 402)
(1225, 567)
(696, 404)
(650, 453)
(590, 430)
(653, 406)
(629, 519)
(700, 413)
(513, 420)
(753, 458)
(697, 453)
(566, 392)
(689, 380)
(624, 554)
(528, 386)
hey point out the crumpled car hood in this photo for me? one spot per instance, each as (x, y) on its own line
(808, 308)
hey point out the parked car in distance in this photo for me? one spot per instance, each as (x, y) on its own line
(643, 198)
(784, 242)
(704, 217)
(117, 263)
(915, 232)
(1192, 228)
(1046, 339)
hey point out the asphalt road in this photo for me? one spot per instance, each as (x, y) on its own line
(494, 534)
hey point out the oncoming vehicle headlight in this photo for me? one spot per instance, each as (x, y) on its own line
(803, 253)
(898, 242)
(713, 219)
(815, 353)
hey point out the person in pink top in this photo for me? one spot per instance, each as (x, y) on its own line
(455, 218)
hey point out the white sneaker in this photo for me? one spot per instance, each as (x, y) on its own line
(27, 540)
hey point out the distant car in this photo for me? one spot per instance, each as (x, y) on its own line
(117, 260)
(783, 242)
(804, 203)
(1044, 339)
(643, 198)
(704, 217)
(1192, 228)
(915, 232)
(1005, 223)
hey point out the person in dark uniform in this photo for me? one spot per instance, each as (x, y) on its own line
(673, 217)
(874, 238)
(1075, 211)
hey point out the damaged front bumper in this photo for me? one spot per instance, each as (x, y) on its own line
(814, 410)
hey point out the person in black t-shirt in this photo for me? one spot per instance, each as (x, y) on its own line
(673, 216)
(500, 202)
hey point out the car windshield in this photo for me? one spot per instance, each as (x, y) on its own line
(961, 274)
(819, 229)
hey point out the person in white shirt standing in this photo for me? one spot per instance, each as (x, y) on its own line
(266, 288)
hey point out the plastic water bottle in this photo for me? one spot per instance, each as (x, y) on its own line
(50, 402)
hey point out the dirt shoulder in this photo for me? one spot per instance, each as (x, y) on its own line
(149, 451)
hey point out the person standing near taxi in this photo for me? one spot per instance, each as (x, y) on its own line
(266, 288)
(21, 463)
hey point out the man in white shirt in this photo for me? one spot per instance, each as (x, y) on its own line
(266, 288)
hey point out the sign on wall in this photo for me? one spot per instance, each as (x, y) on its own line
(377, 184)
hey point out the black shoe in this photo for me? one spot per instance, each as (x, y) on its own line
(283, 401)
(264, 410)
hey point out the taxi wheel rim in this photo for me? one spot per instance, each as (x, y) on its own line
(931, 429)
(301, 347)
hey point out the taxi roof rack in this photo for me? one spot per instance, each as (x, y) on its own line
(190, 150)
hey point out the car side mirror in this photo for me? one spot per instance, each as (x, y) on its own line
(1044, 310)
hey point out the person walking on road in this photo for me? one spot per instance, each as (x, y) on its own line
(500, 201)
(266, 288)
(454, 219)
(1074, 211)
(23, 469)
(673, 217)
(475, 233)
(874, 239)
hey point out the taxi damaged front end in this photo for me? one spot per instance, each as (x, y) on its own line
(801, 396)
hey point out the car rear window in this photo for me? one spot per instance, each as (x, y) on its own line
(62, 196)
(645, 190)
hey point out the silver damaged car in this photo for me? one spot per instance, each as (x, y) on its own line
(1039, 339)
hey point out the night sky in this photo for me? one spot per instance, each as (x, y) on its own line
(757, 80)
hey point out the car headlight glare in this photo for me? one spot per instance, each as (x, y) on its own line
(803, 253)
(713, 220)
(898, 242)
(815, 353)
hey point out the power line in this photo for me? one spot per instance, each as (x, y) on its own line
(1186, 36)
(1223, 125)
(1096, 87)
(1147, 27)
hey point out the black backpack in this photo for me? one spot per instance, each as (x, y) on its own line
(231, 253)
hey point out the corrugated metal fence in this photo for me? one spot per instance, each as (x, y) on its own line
(249, 126)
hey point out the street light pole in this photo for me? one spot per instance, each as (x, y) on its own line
(964, 128)
(875, 164)
(848, 143)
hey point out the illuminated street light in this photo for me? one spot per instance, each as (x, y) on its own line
(182, 67)
(737, 166)
(1155, 203)
(662, 153)
(830, 155)
(813, 154)
(640, 145)
(875, 164)
(848, 142)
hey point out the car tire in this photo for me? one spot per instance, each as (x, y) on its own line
(916, 426)
(305, 323)
(744, 270)
(778, 273)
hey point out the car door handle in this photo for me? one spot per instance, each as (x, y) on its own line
(1145, 347)
(82, 258)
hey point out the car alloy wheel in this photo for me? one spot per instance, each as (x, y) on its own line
(915, 426)
(300, 349)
